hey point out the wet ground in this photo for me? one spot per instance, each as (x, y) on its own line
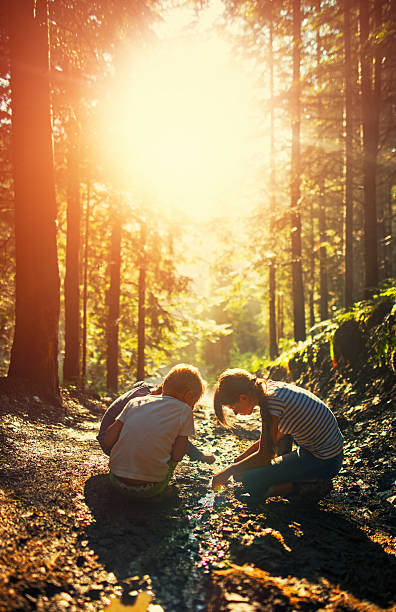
(68, 542)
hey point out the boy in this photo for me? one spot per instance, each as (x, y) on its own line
(140, 389)
(150, 435)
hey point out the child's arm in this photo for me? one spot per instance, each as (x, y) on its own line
(113, 433)
(258, 458)
(197, 455)
(179, 448)
(284, 444)
(249, 451)
(115, 409)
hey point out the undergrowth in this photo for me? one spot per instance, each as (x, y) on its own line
(375, 320)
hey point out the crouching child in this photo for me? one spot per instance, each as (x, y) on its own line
(150, 435)
(140, 389)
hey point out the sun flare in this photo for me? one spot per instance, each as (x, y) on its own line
(178, 123)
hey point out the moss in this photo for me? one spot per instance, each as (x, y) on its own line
(364, 334)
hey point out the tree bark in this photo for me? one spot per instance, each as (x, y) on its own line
(370, 110)
(389, 247)
(34, 354)
(280, 317)
(297, 275)
(114, 306)
(348, 194)
(378, 55)
(140, 370)
(273, 345)
(71, 364)
(85, 287)
(312, 267)
(323, 279)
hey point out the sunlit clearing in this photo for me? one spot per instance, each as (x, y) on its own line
(177, 125)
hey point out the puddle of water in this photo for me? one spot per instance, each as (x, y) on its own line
(207, 506)
(208, 500)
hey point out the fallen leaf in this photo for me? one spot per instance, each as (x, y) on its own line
(141, 604)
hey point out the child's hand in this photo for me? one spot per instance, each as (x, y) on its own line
(209, 458)
(219, 480)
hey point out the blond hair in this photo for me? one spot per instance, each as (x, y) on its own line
(183, 377)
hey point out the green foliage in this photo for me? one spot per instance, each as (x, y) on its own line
(381, 327)
(228, 325)
(377, 320)
(296, 350)
(248, 361)
(235, 305)
(169, 327)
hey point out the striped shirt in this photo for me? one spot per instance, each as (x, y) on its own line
(306, 418)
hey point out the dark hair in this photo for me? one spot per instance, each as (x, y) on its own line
(229, 386)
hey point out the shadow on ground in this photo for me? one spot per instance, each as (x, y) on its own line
(311, 542)
(155, 546)
(147, 545)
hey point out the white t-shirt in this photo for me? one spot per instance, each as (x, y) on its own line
(151, 425)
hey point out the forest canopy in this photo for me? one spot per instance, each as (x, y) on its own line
(189, 181)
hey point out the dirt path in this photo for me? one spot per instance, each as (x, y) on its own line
(69, 543)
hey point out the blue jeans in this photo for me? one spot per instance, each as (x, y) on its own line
(300, 464)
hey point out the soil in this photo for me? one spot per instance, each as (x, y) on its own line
(68, 542)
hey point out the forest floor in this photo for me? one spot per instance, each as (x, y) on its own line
(68, 542)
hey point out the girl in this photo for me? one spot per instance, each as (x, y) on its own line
(285, 410)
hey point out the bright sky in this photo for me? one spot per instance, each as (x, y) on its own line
(180, 122)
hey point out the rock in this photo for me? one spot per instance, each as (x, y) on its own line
(348, 344)
(296, 366)
(278, 373)
(379, 313)
(323, 354)
(343, 422)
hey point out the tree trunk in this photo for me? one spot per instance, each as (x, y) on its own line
(280, 317)
(324, 289)
(323, 284)
(273, 346)
(389, 242)
(348, 195)
(140, 371)
(114, 306)
(370, 109)
(312, 267)
(85, 290)
(378, 56)
(382, 234)
(297, 275)
(34, 354)
(71, 364)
